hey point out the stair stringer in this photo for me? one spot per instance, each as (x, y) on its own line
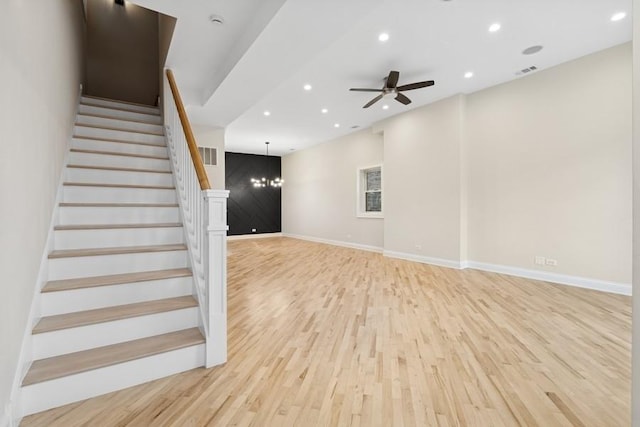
(15, 406)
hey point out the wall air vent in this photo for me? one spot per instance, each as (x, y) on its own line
(526, 70)
(209, 155)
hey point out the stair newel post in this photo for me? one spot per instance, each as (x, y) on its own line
(215, 254)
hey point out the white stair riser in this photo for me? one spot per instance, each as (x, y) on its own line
(119, 114)
(102, 265)
(117, 237)
(80, 131)
(49, 394)
(70, 340)
(106, 296)
(119, 124)
(101, 176)
(119, 147)
(90, 159)
(117, 195)
(134, 215)
(122, 105)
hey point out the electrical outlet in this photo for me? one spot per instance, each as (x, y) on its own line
(348, 236)
(551, 262)
(418, 246)
(539, 260)
(253, 230)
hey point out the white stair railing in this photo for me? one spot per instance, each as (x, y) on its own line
(204, 214)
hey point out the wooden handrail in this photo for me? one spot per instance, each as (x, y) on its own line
(188, 133)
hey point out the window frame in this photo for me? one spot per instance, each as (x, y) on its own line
(361, 191)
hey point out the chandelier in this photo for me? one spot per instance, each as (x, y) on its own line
(263, 182)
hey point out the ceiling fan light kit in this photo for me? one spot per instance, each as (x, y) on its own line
(392, 90)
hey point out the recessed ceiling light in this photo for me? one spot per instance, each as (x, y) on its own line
(267, 113)
(532, 49)
(385, 107)
(383, 37)
(336, 125)
(307, 86)
(618, 16)
(494, 27)
(468, 74)
(324, 111)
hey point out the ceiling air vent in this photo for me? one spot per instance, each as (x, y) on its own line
(526, 70)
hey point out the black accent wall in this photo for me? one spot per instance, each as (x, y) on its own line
(249, 207)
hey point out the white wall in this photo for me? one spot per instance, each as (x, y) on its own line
(207, 136)
(635, 393)
(540, 166)
(319, 195)
(550, 169)
(422, 181)
(41, 70)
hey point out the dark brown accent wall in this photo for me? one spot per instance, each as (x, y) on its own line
(122, 52)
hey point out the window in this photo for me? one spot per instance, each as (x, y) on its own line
(370, 192)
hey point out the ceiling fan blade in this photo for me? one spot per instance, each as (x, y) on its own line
(373, 101)
(357, 89)
(417, 85)
(392, 80)
(403, 99)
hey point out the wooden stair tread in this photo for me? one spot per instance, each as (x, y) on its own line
(110, 226)
(121, 102)
(109, 314)
(118, 205)
(68, 253)
(110, 168)
(95, 358)
(116, 153)
(114, 279)
(118, 129)
(93, 184)
(109, 107)
(121, 141)
(100, 116)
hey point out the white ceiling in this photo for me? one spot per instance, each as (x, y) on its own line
(267, 50)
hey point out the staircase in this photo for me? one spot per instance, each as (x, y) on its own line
(117, 309)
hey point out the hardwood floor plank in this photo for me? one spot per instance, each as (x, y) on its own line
(323, 335)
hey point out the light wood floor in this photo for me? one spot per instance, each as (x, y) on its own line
(321, 335)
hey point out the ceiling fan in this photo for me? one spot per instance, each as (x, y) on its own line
(391, 89)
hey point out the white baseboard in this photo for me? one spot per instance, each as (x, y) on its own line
(562, 279)
(350, 245)
(254, 236)
(423, 259)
